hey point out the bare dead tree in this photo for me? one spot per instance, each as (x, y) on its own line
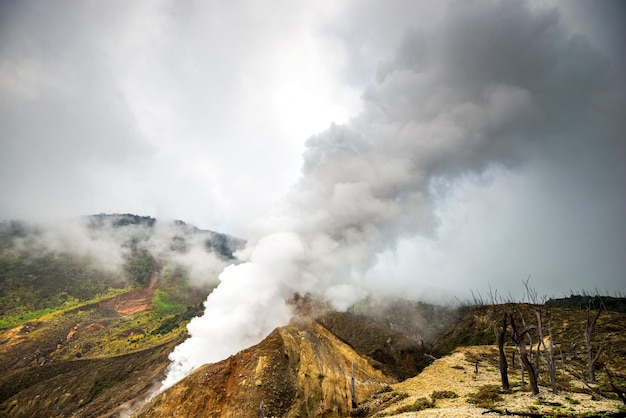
(519, 340)
(591, 356)
(500, 332)
(586, 383)
(562, 361)
(514, 354)
(502, 364)
(529, 354)
(477, 298)
(531, 293)
(548, 354)
(533, 299)
(261, 410)
(352, 391)
(619, 390)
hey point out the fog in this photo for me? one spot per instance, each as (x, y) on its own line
(106, 242)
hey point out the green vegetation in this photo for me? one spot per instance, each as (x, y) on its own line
(40, 276)
(163, 304)
(443, 394)
(486, 397)
(102, 385)
(139, 266)
(51, 280)
(11, 321)
(418, 405)
(173, 322)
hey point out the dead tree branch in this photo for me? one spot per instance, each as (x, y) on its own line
(591, 356)
(519, 340)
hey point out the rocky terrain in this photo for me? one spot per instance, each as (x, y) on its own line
(304, 371)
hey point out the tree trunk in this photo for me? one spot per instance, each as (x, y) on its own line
(539, 343)
(532, 378)
(352, 390)
(518, 339)
(529, 354)
(502, 364)
(591, 358)
(548, 354)
(551, 360)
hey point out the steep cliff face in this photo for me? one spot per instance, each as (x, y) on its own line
(297, 371)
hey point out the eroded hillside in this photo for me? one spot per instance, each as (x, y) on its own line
(297, 371)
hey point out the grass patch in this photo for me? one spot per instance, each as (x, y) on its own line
(443, 394)
(384, 389)
(486, 397)
(13, 321)
(163, 304)
(418, 405)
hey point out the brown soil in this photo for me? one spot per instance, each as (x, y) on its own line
(135, 301)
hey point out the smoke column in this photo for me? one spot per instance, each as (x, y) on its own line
(495, 83)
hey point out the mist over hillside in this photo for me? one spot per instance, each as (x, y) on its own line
(48, 265)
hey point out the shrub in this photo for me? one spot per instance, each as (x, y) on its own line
(443, 394)
(419, 405)
(486, 397)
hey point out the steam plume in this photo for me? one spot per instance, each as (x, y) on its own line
(494, 84)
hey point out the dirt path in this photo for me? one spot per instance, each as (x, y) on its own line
(135, 301)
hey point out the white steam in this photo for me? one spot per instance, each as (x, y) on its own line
(495, 84)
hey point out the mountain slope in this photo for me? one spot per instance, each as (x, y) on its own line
(99, 387)
(297, 371)
(51, 267)
(91, 308)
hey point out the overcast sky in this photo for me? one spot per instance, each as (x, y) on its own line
(212, 111)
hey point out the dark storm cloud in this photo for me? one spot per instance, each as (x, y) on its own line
(538, 100)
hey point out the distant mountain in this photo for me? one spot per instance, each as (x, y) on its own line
(53, 266)
(179, 232)
(90, 308)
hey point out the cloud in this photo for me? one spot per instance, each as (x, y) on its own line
(488, 148)
(163, 109)
(487, 144)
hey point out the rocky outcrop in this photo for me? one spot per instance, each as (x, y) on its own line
(297, 371)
